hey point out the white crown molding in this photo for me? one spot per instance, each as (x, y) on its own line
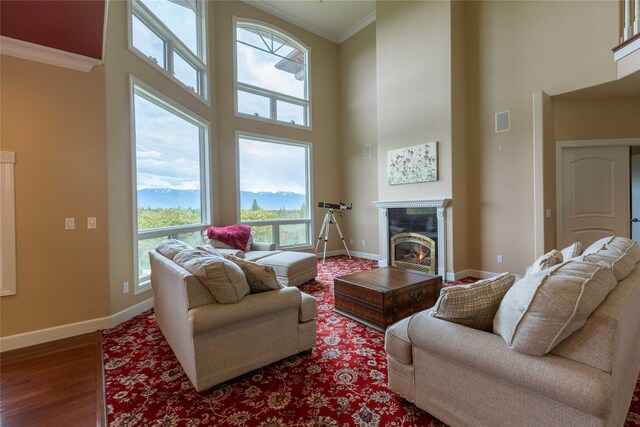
(47, 55)
(27, 339)
(292, 19)
(349, 32)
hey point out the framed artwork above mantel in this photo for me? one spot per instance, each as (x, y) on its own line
(417, 163)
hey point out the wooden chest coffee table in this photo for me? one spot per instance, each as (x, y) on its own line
(382, 296)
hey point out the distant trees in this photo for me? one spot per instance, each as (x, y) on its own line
(158, 217)
(255, 206)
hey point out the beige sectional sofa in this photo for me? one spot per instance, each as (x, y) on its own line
(470, 377)
(215, 341)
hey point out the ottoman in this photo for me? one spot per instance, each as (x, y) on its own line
(292, 268)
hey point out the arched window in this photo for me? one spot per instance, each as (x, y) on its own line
(272, 74)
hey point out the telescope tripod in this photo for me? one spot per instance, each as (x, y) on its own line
(329, 218)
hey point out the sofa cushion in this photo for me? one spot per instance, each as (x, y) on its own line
(545, 261)
(256, 255)
(619, 254)
(261, 278)
(473, 305)
(171, 247)
(308, 310)
(622, 244)
(595, 343)
(224, 279)
(292, 268)
(544, 308)
(571, 251)
(397, 343)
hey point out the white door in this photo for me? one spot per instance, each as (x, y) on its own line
(635, 196)
(594, 194)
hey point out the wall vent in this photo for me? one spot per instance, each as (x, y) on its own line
(502, 122)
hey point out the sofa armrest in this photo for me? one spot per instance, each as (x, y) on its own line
(212, 316)
(263, 246)
(574, 384)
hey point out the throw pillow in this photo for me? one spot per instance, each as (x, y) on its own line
(171, 247)
(544, 308)
(628, 254)
(261, 278)
(224, 279)
(545, 261)
(571, 251)
(475, 304)
(210, 250)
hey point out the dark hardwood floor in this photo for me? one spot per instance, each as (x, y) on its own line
(59, 383)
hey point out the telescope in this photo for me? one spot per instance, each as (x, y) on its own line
(341, 206)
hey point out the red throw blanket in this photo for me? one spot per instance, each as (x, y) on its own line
(232, 235)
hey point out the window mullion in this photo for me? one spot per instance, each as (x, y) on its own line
(274, 107)
(271, 94)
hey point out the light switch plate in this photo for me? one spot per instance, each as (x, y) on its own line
(91, 222)
(69, 223)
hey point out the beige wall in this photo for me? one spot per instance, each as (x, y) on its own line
(516, 49)
(596, 118)
(413, 48)
(357, 128)
(53, 118)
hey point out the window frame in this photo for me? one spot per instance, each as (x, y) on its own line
(275, 224)
(174, 44)
(272, 95)
(140, 88)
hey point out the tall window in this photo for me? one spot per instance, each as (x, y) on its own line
(170, 34)
(170, 175)
(275, 189)
(272, 77)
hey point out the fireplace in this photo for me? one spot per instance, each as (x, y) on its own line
(413, 251)
(413, 235)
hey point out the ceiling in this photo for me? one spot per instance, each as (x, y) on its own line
(335, 20)
(72, 26)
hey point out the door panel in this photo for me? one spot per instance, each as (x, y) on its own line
(635, 196)
(594, 193)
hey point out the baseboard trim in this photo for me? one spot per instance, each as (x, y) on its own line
(13, 342)
(353, 253)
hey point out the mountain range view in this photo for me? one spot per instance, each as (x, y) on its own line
(170, 198)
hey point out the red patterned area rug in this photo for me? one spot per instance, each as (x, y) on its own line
(343, 382)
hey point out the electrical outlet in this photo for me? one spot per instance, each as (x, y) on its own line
(363, 243)
(91, 222)
(499, 259)
(69, 223)
(351, 241)
(125, 288)
(547, 213)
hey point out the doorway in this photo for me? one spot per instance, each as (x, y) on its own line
(635, 193)
(598, 190)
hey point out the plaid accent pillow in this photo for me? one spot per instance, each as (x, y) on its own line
(473, 305)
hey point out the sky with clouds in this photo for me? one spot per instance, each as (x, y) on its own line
(272, 167)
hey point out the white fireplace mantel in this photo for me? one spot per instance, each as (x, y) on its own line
(440, 204)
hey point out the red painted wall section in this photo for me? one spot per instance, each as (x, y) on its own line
(72, 26)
